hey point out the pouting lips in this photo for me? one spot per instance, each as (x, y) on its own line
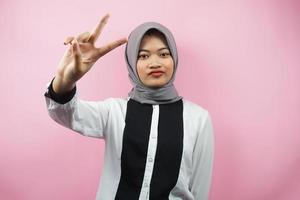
(156, 73)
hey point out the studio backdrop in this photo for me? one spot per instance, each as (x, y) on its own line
(239, 59)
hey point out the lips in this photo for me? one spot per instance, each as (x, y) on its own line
(156, 72)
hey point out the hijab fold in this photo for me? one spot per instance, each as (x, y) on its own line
(140, 92)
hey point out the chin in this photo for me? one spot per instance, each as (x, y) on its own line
(156, 85)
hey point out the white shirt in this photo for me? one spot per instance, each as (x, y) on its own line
(106, 119)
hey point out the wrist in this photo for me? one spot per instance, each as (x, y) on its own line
(61, 85)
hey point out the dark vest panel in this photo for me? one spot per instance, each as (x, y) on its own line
(135, 146)
(134, 149)
(169, 150)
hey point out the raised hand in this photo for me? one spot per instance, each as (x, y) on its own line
(81, 56)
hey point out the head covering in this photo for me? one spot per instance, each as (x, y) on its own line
(140, 92)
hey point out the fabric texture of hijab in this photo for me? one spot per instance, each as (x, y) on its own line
(140, 92)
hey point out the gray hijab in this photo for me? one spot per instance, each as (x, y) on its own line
(140, 92)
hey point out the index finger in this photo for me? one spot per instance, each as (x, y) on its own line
(107, 48)
(95, 34)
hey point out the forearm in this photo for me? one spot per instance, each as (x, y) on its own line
(61, 85)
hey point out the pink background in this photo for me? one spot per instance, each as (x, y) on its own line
(238, 59)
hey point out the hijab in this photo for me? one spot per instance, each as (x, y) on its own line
(140, 92)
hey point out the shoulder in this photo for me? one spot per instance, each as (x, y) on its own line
(194, 109)
(116, 100)
(115, 103)
(197, 117)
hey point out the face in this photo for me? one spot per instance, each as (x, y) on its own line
(155, 64)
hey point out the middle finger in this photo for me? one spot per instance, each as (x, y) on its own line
(98, 29)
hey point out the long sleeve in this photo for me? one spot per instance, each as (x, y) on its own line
(203, 156)
(85, 117)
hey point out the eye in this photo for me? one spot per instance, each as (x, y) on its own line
(165, 54)
(143, 56)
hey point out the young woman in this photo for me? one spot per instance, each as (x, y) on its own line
(158, 145)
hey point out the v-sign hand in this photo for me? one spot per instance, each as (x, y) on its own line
(81, 56)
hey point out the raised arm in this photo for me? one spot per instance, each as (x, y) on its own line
(87, 118)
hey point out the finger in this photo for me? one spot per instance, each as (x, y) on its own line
(75, 47)
(107, 48)
(68, 40)
(95, 34)
(83, 37)
(76, 52)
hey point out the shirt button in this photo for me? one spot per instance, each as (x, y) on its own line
(146, 185)
(153, 136)
(150, 159)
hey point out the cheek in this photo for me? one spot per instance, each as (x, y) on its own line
(140, 70)
(170, 67)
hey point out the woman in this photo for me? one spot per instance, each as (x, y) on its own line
(158, 145)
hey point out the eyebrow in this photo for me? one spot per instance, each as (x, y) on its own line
(157, 50)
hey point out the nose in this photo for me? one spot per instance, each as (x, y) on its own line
(154, 63)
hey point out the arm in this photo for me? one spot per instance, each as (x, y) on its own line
(203, 161)
(87, 118)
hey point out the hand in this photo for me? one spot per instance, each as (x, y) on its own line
(81, 56)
